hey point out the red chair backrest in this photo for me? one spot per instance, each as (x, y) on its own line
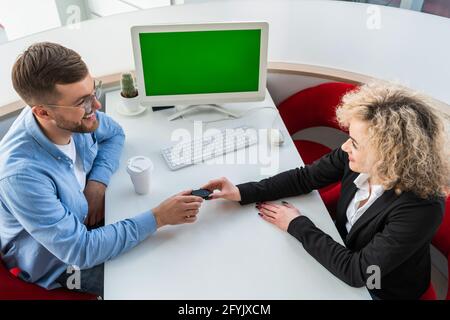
(441, 239)
(314, 107)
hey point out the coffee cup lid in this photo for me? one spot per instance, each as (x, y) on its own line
(139, 164)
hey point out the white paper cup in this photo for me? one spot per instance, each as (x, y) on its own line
(140, 170)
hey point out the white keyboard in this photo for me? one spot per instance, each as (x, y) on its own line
(199, 150)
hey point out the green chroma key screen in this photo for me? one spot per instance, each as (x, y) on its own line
(199, 62)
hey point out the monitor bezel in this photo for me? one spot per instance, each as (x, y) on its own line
(203, 98)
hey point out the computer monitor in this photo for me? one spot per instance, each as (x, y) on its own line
(201, 64)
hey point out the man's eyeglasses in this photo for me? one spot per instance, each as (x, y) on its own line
(87, 102)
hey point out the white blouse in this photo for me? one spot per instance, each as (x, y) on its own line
(373, 192)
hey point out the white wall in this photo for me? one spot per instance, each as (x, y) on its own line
(21, 18)
(109, 7)
(408, 47)
(3, 37)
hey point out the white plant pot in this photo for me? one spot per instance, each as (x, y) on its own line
(130, 105)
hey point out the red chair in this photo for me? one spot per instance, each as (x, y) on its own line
(442, 242)
(315, 107)
(13, 288)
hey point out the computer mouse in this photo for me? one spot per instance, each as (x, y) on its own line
(275, 137)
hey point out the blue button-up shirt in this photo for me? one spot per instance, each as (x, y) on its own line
(42, 209)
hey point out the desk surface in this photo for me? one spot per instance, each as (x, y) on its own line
(230, 252)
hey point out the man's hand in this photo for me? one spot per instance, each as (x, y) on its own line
(227, 190)
(279, 215)
(95, 196)
(178, 209)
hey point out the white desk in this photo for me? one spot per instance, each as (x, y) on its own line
(230, 252)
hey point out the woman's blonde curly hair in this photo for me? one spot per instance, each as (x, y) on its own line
(409, 137)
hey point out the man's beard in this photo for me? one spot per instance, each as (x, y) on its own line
(76, 127)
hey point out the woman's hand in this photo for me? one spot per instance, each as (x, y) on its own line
(279, 215)
(227, 190)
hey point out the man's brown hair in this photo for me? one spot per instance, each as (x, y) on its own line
(42, 66)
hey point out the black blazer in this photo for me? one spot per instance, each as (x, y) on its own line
(394, 233)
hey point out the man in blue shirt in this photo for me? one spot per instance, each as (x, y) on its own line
(55, 163)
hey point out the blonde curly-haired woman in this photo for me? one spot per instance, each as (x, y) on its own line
(394, 172)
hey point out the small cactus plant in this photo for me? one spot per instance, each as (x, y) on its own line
(128, 88)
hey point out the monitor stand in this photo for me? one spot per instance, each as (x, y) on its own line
(185, 109)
